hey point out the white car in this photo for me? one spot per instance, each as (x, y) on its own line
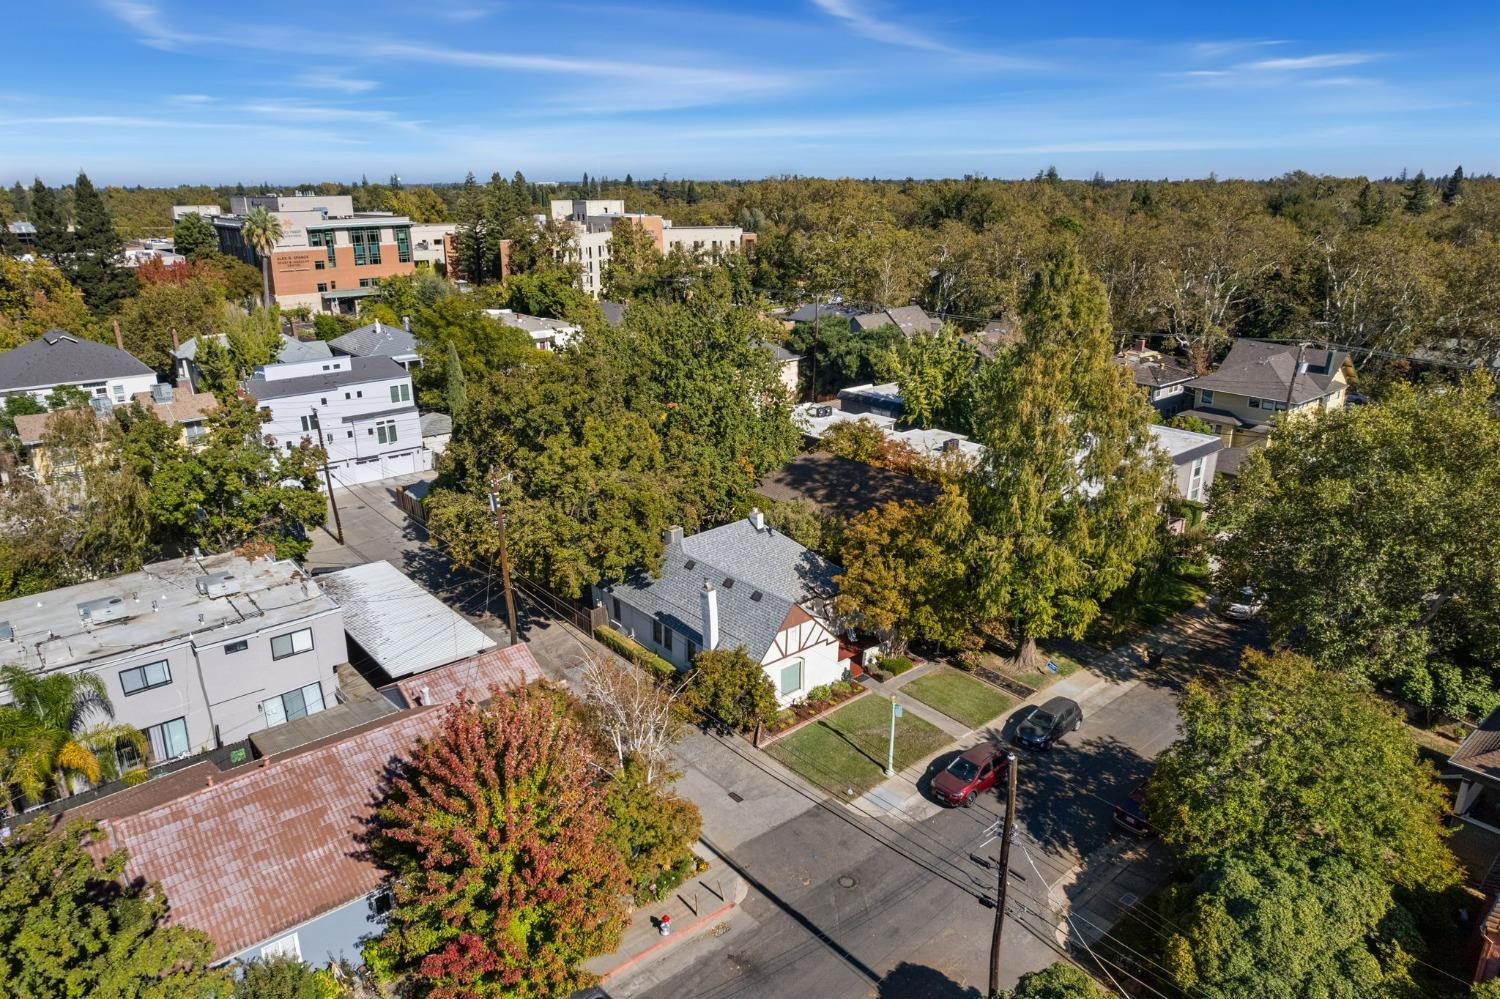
(1244, 604)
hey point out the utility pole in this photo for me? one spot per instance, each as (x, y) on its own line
(1010, 822)
(338, 525)
(510, 599)
(890, 753)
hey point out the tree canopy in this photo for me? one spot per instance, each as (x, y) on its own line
(1372, 532)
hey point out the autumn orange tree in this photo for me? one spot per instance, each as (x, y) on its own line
(504, 876)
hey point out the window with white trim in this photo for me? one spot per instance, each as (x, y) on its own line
(1206, 396)
(310, 423)
(791, 678)
(291, 644)
(385, 431)
(1195, 480)
(401, 392)
(287, 946)
(168, 740)
(139, 678)
(293, 704)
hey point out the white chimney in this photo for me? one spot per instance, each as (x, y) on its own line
(757, 519)
(708, 602)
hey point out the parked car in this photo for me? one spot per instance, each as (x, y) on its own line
(1130, 814)
(1245, 604)
(971, 774)
(1048, 723)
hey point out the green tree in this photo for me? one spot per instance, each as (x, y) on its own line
(53, 240)
(936, 372)
(836, 356)
(902, 575)
(1371, 531)
(58, 729)
(1187, 421)
(1069, 492)
(552, 294)
(484, 346)
(1453, 189)
(470, 234)
(729, 692)
(232, 491)
(456, 390)
(1056, 981)
(35, 298)
(285, 977)
(1419, 195)
(1305, 928)
(73, 926)
(633, 257)
(505, 877)
(1290, 761)
(148, 321)
(195, 237)
(261, 232)
(653, 827)
(1373, 206)
(857, 440)
(92, 262)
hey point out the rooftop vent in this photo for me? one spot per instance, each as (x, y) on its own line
(756, 596)
(103, 609)
(161, 392)
(951, 444)
(729, 583)
(218, 584)
(822, 411)
(690, 564)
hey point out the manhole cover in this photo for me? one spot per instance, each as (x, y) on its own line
(845, 881)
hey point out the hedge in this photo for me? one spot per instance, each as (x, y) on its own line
(632, 650)
(895, 665)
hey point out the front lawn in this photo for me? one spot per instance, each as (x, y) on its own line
(845, 751)
(960, 697)
(1066, 666)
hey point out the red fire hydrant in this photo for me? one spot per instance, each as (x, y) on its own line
(665, 925)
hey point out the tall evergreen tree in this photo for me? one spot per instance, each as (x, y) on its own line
(1373, 206)
(1453, 190)
(92, 262)
(1419, 196)
(457, 387)
(470, 231)
(52, 236)
(20, 202)
(1068, 496)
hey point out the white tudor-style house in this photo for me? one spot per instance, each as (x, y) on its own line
(743, 585)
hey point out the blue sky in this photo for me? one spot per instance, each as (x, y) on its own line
(163, 91)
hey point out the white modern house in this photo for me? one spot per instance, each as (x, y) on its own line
(58, 358)
(364, 406)
(743, 585)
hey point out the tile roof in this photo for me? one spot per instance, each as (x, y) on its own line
(1264, 370)
(402, 626)
(377, 340)
(761, 577)
(1480, 752)
(271, 845)
(361, 370)
(60, 358)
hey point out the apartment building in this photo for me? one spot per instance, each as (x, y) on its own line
(329, 256)
(430, 243)
(195, 652)
(593, 222)
(364, 406)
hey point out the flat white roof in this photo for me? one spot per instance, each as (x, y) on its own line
(405, 629)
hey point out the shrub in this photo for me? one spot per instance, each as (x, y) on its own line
(895, 665)
(633, 651)
(820, 695)
(730, 692)
(968, 661)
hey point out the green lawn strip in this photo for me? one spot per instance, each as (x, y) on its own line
(960, 697)
(1066, 666)
(846, 750)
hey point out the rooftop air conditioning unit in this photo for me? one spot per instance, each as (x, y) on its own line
(103, 609)
(218, 584)
(822, 411)
(951, 444)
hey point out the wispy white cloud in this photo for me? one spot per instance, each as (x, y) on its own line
(875, 28)
(334, 81)
(1219, 49)
(1327, 60)
(148, 22)
(191, 99)
(286, 110)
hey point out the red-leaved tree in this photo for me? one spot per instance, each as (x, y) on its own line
(504, 880)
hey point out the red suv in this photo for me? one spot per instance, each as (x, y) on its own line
(975, 771)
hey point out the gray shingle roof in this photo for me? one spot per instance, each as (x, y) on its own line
(377, 340)
(1480, 752)
(909, 318)
(1264, 370)
(435, 424)
(60, 358)
(291, 349)
(614, 312)
(361, 370)
(1155, 372)
(760, 576)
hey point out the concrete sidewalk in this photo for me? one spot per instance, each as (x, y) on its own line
(701, 906)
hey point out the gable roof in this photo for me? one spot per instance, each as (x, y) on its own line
(842, 486)
(471, 679)
(292, 349)
(760, 575)
(1265, 370)
(377, 340)
(61, 358)
(1154, 372)
(361, 370)
(1480, 752)
(909, 318)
